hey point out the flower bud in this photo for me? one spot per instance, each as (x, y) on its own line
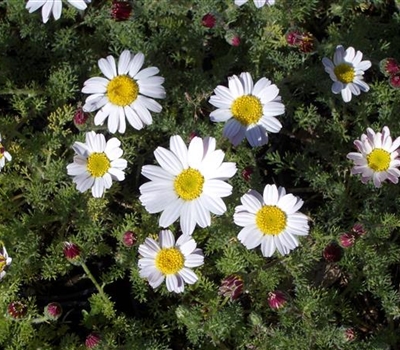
(389, 67)
(208, 20)
(347, 239)
(349, 334)
(17, 309)
(121, 10)
(129, 239)
(72, 252)
(232, 38)
(332, 252)
(92, 340)
(394, 81)
(247, 172)
(293, 36)
(232, 287)
(276, 299)
(80, 118)
(53, 311)
(359, 229)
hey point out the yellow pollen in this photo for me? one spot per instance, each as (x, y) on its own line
(98, 164)
(379, 159)
(122, 90)
(189, 184)
(247, 109)
(344, 73)
(169, 261)
(271, 220)
(3, 263)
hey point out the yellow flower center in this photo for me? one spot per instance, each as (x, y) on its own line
(169, 261)
(3, 263)
(189, 184)
(271, 220)
(379, 159)
(344, 73)
(98, 164)
(2, 150)
(122, 90)
(247, 109)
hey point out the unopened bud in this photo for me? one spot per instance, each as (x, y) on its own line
(276, 299)
(53, 311)
(92, 340)
(232, 287)
(17, 309)
(332, 252)
(129, 239)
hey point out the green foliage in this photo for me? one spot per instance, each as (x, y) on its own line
(43, 68)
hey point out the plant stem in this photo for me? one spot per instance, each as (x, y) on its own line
(96, 284)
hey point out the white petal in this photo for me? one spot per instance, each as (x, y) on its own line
(167, 239)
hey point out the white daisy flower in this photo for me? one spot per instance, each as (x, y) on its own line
(168, 260)
(3, 155)
(54, 7)
(377, 157)
(347, 72)
(97, 163)
(248, 109)
(122, 94)
(5, 261)
(189, 184)
(271, 220)
(258, 3)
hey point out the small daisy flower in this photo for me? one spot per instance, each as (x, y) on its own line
(347, 72)
(271, 220)
(124, 93)
(54, 7)
(5, 261)
(3, 155)
(97, 163)
(377, 157)
(169, 260)
(189, 184)
(258, 3)
(248, 109)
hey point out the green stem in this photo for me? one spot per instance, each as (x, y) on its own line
(29, 92)
(96, 284)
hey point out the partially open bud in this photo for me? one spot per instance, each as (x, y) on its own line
(332, 252)
(129, 239)
(92, 340)
(17, 309)
(80, 118)
(72, 252)
(359, 229)
(301, 39)
(276, 299)
(121, 10)
(53, 311)
(232, 287)
(208, 20)
(389, 67)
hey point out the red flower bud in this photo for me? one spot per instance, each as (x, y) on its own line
(72, 252)
(92, 340)
(332, 252)
(121, 10)
(394, 81)
(276, 299)
(247, 172)
(80, 118)
(347, 240)
(129, 239)
(53, 311)
(359, 229)
(208, 20)
(389, 67)
(17, 309)
(232, 38)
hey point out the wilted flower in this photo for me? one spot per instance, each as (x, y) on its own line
(232, 287)
(276, 299)
(301, 39)
(332, 252)
(17, 309)
(53, 311)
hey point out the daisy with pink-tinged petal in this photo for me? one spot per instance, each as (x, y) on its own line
(249, 110)
(189, 184)
(346, 72)
(271, 219)
(377, 158)
(258, 3)
(127, 92)
(53, 6)
(168, 260)
(97, 163)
